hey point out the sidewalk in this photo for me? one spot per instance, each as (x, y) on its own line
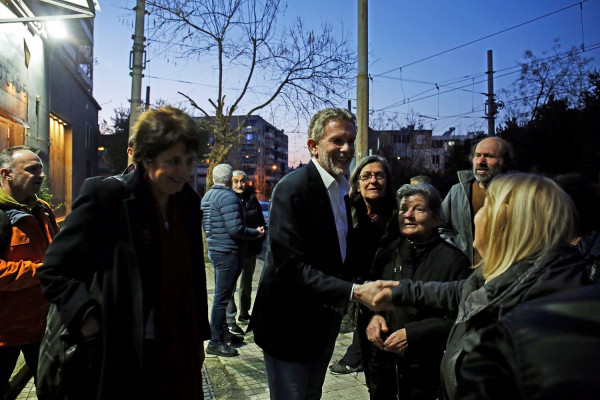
(244, 377)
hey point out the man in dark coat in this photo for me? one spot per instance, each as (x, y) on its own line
(303, 294)
(253, 218)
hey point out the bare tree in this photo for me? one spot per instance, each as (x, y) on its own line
(293, 69)
(556, 74)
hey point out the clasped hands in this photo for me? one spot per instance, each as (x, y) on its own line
(375, 295)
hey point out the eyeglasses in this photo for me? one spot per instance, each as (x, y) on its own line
(367, 177)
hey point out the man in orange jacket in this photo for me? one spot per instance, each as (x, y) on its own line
(23, 308)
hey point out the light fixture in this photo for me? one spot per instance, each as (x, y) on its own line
(56, 29)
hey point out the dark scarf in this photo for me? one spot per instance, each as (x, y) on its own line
(179, 347)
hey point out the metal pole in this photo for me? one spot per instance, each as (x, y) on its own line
(490, 103)
(362, 83)
(137, 64)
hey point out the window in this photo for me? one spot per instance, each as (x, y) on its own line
(435, 159)
(249, 136)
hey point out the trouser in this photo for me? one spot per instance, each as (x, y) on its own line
(227, 268)
(245, 291)
(300, 380)
(8, 360)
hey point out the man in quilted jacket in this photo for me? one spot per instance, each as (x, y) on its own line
(226, 233)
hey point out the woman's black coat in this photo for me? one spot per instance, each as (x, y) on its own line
(111, 237)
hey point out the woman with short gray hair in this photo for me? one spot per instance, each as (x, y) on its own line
(408, 343)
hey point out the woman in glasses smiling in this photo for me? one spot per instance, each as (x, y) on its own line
(372, 202)
(409, 342)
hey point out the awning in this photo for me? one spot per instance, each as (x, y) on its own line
(56, 9)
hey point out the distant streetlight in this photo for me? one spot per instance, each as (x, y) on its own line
(274, 167)
(101, 148)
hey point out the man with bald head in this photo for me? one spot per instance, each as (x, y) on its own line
(23, 308)
(490, 157)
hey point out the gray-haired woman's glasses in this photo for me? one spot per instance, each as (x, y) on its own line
(367, 177)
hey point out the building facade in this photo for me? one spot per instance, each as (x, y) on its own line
(46, 94)
(419, 149)
(262, 154)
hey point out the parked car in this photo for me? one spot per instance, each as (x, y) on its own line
(265, 210)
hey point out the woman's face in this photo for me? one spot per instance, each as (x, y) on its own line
(373, 187)
(415, 219)
(480, 241)
(170, 170)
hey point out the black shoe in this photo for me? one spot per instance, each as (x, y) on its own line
(236, 330)
(222, 350)
(341, 367)
(233, 339)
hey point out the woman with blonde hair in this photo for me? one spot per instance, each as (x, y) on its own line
(522, 233)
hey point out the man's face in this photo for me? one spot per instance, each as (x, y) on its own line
(487, 160)
(238, 183)
(26, 176)
(335, 150)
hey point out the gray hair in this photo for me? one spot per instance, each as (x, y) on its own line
(429, 193)
(420, 179)
(238, 172)
(316, 129)
(6, 156)
(222, 174)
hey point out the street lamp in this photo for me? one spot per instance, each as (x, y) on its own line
(56, 29)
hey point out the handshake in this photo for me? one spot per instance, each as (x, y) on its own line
(375, 295)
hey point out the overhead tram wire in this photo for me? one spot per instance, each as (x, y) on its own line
(480, 39)
(516, 69)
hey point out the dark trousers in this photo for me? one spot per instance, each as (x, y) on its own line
(227, 268)
(245, 290)
(300, 380)
(8, 359)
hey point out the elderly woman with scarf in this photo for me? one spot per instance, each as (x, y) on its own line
(409, 342)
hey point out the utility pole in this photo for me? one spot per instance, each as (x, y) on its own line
(362, 83)
(490, 104)
(137, 63)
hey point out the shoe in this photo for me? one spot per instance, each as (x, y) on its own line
(244, 319)
(233, 339)
(222, 350)
(341, 367)
(236, 330)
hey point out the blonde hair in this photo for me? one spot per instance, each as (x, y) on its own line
(527, 215)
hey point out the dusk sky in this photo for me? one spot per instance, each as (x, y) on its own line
(401, 34)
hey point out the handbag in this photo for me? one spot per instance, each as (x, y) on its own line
(68, 365)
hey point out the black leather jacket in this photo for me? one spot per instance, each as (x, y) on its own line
(481, 304)
(545, 349)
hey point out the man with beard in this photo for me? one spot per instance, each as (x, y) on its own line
(304, 290)
(490, 157)
(28, 231)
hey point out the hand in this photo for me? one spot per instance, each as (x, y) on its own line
(261, 231)
(90, 326)
(374, 330)
(367, 291)
(382, 301)
(397, 342)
